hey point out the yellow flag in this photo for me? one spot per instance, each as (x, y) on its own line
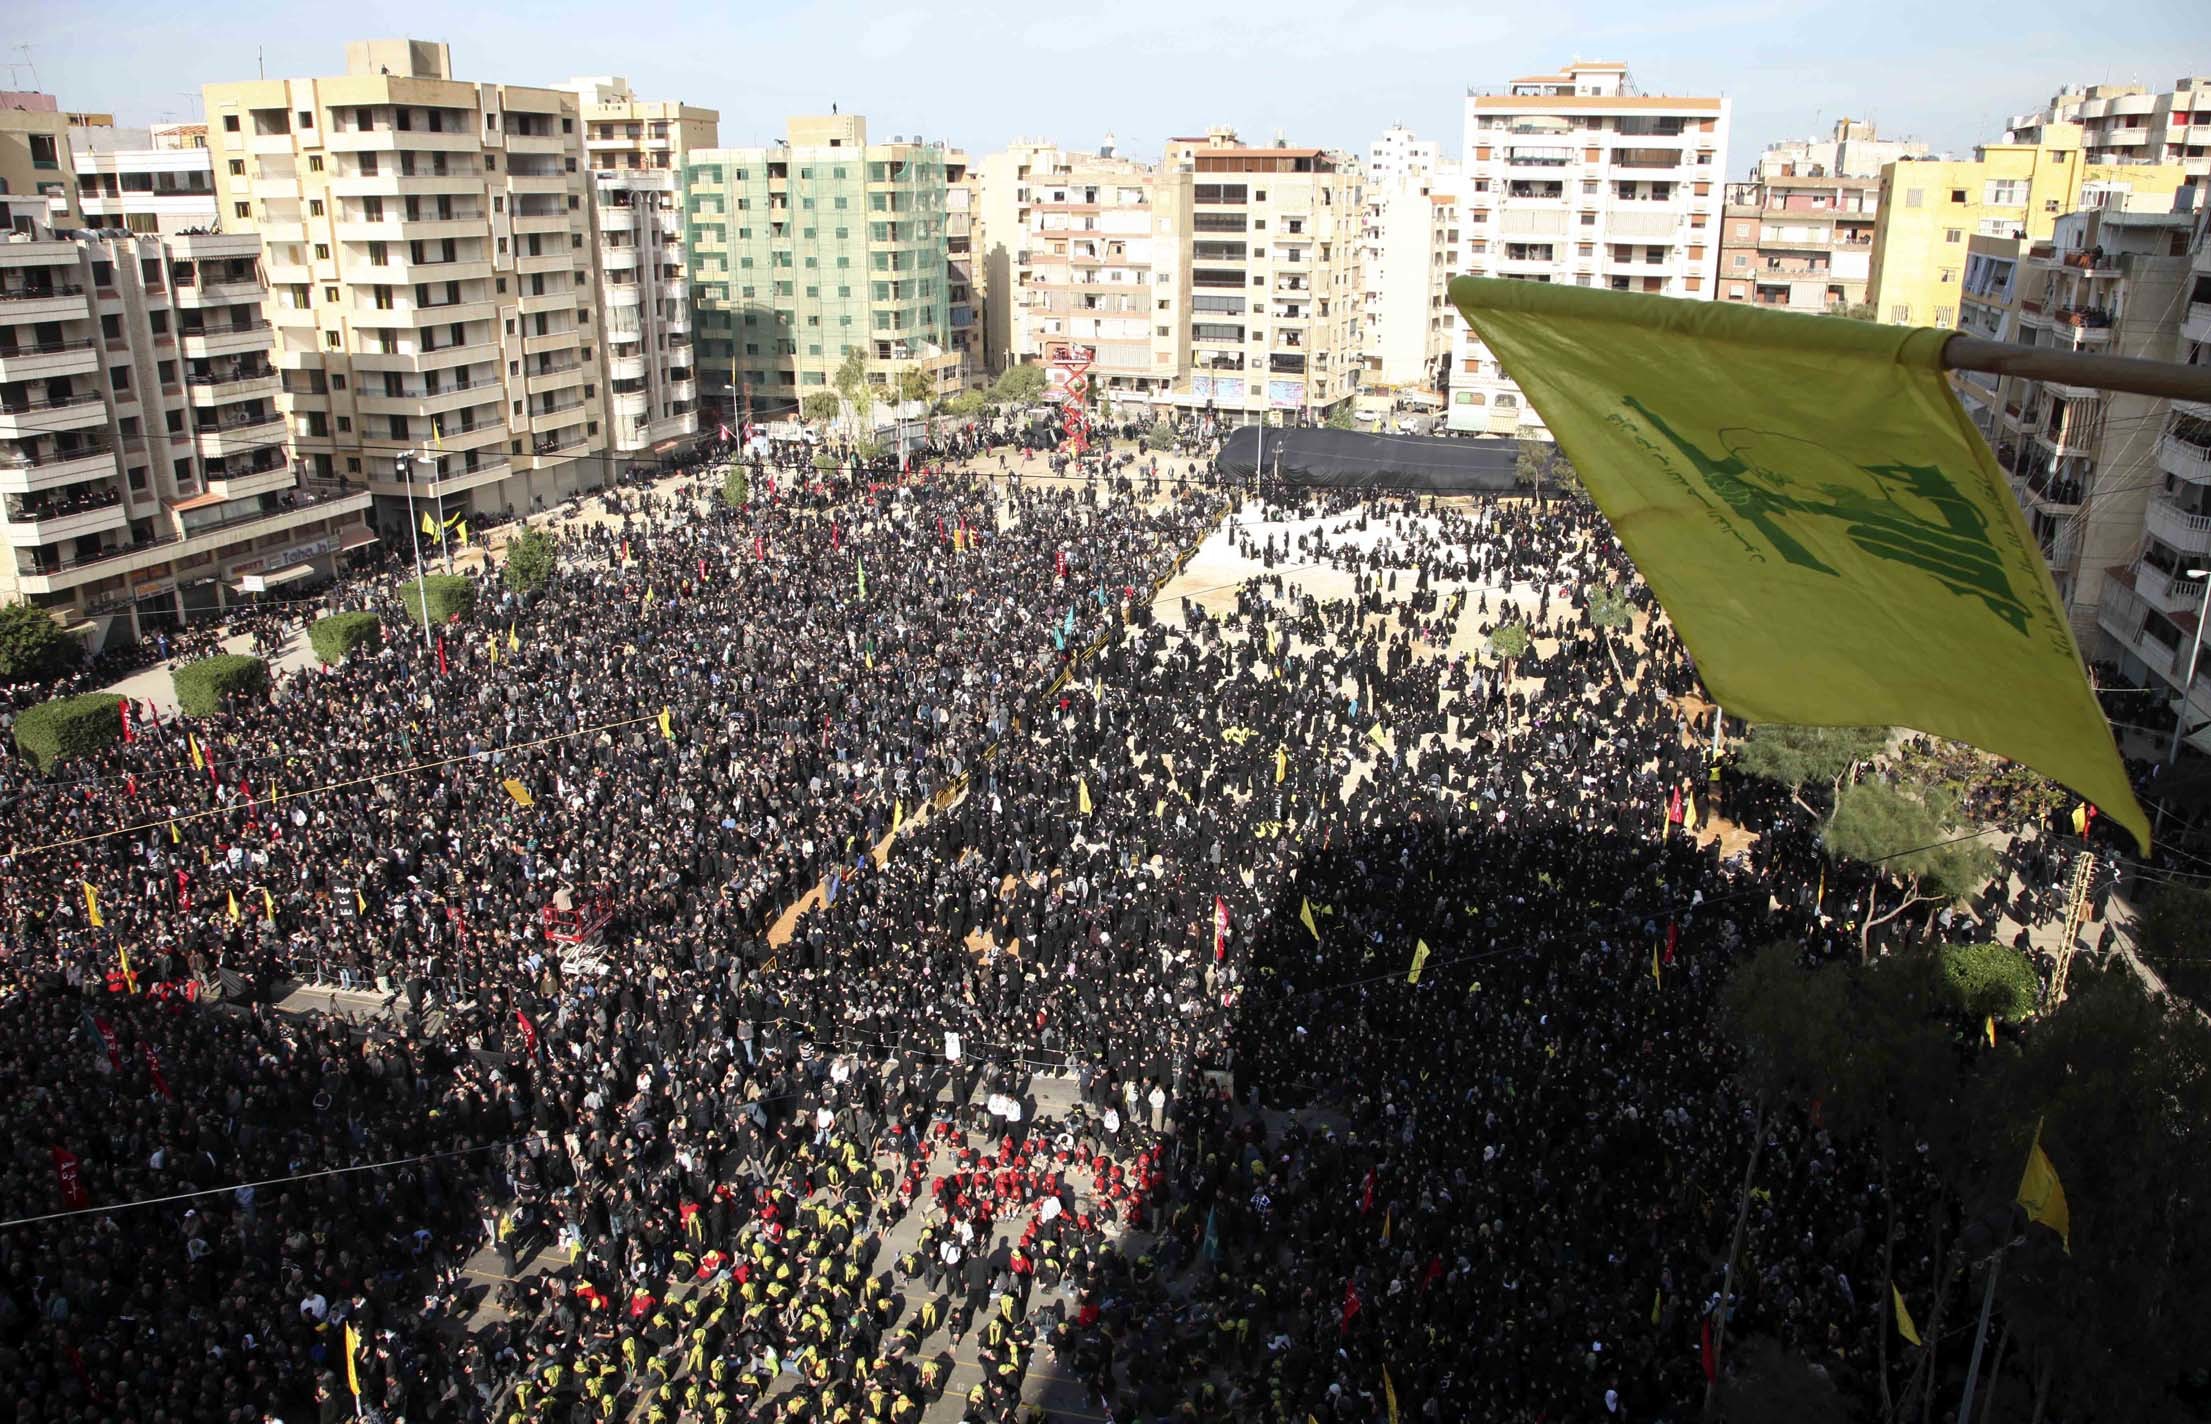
(1988, 1026)
(1281, 764)
(1374, 735)
(2042, 1194)
(519, 792)
(1655, 979)
(514, 644)
(360, 901)
(1904, 1326)
(464, 531)
(495, 650)
(898, 816)
(233, 898)
(1274, 643)
(667, 725)
(352, 1369)
(1159, 809)
(648, 599)
(429, 525)
(173, 836)
(1658, 1304)
(198, 763)
(1820, 898)
(1082, 795)
(1420, 961)
(130, 976)
(1829, 533)
(92, 905)
(268, 903)
(1389, 1393)
(1689, 812)
(1305, 918)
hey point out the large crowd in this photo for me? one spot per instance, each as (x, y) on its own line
(1253, 1006)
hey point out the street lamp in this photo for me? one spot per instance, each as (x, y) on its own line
(403, 465)
(2195, 648)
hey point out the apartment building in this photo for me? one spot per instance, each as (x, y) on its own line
(1409, 242)
(2082, 461)
(963, 292)
(1799, 242)
(144, 480)
(2151, 610)
(1273, 261)
(144, 180)
(1400, 153)
(1580, 177)
(824, 243)
(1092, 249)
(637, 150)
(435, 278)
(1929, 211)
(1852, 149)
(2126, 123)
(35, 156)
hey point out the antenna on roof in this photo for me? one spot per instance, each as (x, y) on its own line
(25, 51)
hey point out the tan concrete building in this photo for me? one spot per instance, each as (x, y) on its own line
(1799, 242)
(1580, 177)
(1409, 245)
(144, 479)
(964, 277)
(1273, 261)
(141, 181)
(34, 152)
(638, 149)
(435, 276)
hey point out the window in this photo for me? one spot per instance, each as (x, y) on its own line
(1953, 234)
(1901, 314)
(1742, 259)
(1914, 197)
(306, 118)
(242, 210)
(314, 163)
(230, 123)
(322, 252)
(314, 207)
(1957, 195)
(237, 168)
(1945, 316)
(2004, 193)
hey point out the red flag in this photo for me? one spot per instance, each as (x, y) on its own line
(1673, 937)
(940, 531)
(1366, 1193)
(529, 1030)
(1673, 808)
(1059, 562)
(833, 538)
(124, 707)
(1220, 929)
(702, 571)
(107, 1041)
(153, 1067)
(245, 789)
(1350, 1305)
(759, 547)
(72, 1186)
(1710, 1361)
(441, 655)
(130, 783)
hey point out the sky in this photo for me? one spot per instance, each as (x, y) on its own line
(1321, 73)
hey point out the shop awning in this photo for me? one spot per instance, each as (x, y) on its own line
(356, 538)
(262, 583)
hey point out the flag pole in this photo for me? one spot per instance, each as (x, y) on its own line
(2170, 380)
(1980, 1339)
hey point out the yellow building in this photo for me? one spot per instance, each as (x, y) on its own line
(1930, 211)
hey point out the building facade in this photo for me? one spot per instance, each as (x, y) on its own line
(1578, 177)
(35, 156)
(435, 279)
(637, 150)
(1400, 153)
(814, 247)
(1273, 260)
(1930, 210)
(2126, 123)
(2151, 609)
(142, 181)
(1853, 149)
(964, 277)
(1800, 243)
(1409, 244)
(144, 478)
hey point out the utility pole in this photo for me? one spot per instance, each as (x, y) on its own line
(405, 461)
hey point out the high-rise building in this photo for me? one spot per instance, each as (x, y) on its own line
(1273, 261)
(1929, 210)
(1799, 242)
(435, 277)
(143, 181)
(1400, 153)
(1092, 247)
(2126, 123)
(1408, 246)
(142, 455)
(822, 244)
(2082, 461)
(2151, 607)
(637, 150)
(1854, 149)
(1578, 177)
(35, 157)
(964, 277)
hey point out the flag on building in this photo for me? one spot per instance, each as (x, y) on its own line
(1828, 531)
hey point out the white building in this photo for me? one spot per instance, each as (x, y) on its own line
(1408, 246)
(143, 181)
(144, 475)
(1578, 177)
(1400, 153)
(2126, 123)
(1854, 149)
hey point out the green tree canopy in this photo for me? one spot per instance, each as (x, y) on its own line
(915, 384)
(737, 486)
(1988, 981)
(1019, 385)
(530, 561)
(1159, 435)
(204, 684)
(32, 646)
(65, 727)
(821, 406)
(1510, 640)
(1609, 608)
(446, 594)
(1343, 418)
(1911, 837)
(1798, 756)
(851, 379)
(334, 638)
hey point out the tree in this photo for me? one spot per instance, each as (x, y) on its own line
(1984, 981)
(966, 405)
(1019, 385)
(446, 594)
(1609, 608)
(821, 407)
(1909, 836)
(68, 727)
(851, 382)
(1856, 311)
(2175, 935)
(530, 561)
(915, 385)
(736, 486)
(1534, 462)
(334, 638)
(205, 685)
(1769, 1383)
(868, 448)
(1510, 641)
(1159, 435)
(1796, 756)
(32, 646)
(1342, 418)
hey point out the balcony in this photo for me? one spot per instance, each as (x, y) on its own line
(2195, 326)
(408, 185)
(528, 264)
(210, 294)
(27, 419)
(391, 140)
(211, 342)
(631, 403)
(682, 389)
(249, 483)
(553, 144)
(43, 360)
(409, 314)
(564, 300)
(554, 446)
(618, 294)
(435, 359)
(444, 401)
(62, 575)
(401, 272)
(62, 301)
(626, 368)
(2188, 533)
(540, 184)
(22, 473)
(238, 437)
(214, 390)
(30, 527)
(2185, 458)
(404, 229)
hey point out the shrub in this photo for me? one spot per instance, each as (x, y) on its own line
(1159, 435)
(530, 561)
(446, 595)
(334, 638)
(825, 462)
(32, 646)
(737, 487)
(202, 685)
(1510, 640)
(68, 727)
(1985, 980)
